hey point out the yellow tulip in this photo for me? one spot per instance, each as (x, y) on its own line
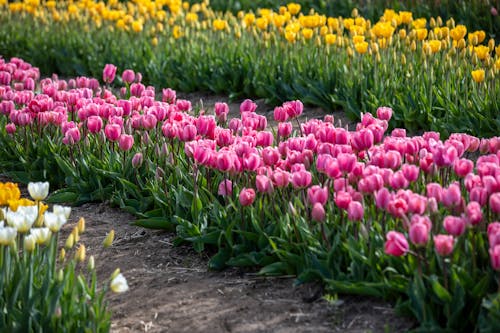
(248, 19)
(421, 33)
(361, 47)
(482, 51)
(458, 32)
(137, 26)
(435, 45)
(262, 23)
(290, 36)
(330, 39)
(307, 33)
(406, 17)
(293, 8)
(358, 39)
(478, 75)
(219, 24)
(419, 23)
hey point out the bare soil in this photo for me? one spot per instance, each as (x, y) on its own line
(171, 289)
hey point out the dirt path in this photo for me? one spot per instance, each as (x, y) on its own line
(172, 291)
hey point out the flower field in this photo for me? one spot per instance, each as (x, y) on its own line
(375, 210)
(429, 70)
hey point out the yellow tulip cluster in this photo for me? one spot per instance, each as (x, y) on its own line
(354, 35)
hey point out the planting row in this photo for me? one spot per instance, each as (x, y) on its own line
(427, 71)
(367, 211)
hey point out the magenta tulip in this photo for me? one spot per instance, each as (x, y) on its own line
(109, 72)
(396, 244)
(112, 132)
(126, 142)
(225, 188)
(128, 76)
(318, 212)
(355, 211)
(444, 244)
(247, 196)
(495, 202)
(495, 257)
(454, 225)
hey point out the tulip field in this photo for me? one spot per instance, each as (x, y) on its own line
(404, 207)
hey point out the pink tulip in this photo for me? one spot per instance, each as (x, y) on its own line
(248, 106)
(109, 72)
(398, 180)
(126, 142)
(294, 108)
(270, 156)
(247, 196)
(495, 257)
(444, 155)
(444, 244)
(417, 204)
(454, 225)
(188, 133)
(263, 184)
(382, 198)
(225, 188)
(474, 213)
(318, 212)
(396, 244)
(410, 172)
(223, 137)
(280, 178)
(317, 194)
(479, 194)
(10, 128)
(384, 113)
(169, 96)
(494, 11)
(495, 202)
(346, 162)
(362, 139)
(252, 162)
(301, 179)
(183, 105)
(493, 234)
(128, 76)
(452, 197)
(463, 167)
(71, 136)
(419, 233)
(397, 207)
(355, 211)
(280, 114)
(235, 125)
(285, 129)
(137, 160)
(94, 124)
(343, 199)
(434, 190)
(112, 132)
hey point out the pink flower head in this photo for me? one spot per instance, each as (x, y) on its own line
(355, 211)
(301, 179)
(247, 196)
(169, 96)
(112, 132)
(434, 190)
(495, 257)
(495, 202)
(382, 198)
(264, 184)
(248, 106)
(494, 234)
(225, 188)
(444, 244)
(126, 142)
(343, 199)
(72, 136)
(94, 124)
(187, 133)
(270, 156)
(384, 113)
(346, 162)
(362, 139)
(280, 114)
(474, 213)
(463, 167)
(396, 244)
(454, 225)
(397, 207)
(183, 105)
(221, 111)
(280, 178)
(317, 194)
(109, 72)
(410, 172)
(137, 160)
(10, 128)
(318, 212)
(419, 233)
(285, 129)
(128, 76)
(294, 108)
(444, 155)
(452, 196)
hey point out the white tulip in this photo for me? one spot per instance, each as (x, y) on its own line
(19, 220)
(119, 284)
(54, 221)
(7, 235)
(41, 235)
(38, 191)
(64, 210)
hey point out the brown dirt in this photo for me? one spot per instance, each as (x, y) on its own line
(171, 289)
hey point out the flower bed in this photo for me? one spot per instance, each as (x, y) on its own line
(428, 71)
(366, 211)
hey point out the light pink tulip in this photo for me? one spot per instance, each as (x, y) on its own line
(396, 244)
(444, 244)
(454, 225)
(247, 196)
(225, 188)
(318, 212)
(355, 211)
(109, 72)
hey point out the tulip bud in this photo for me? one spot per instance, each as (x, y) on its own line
(76, 235)
(29, 243)
(81, 253)
(62, 254)
(109, 239)
(91, 263)
(70, 241)
(115, 274)
(81, 225)
(60, 275)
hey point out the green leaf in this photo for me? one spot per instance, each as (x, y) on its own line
(277, 268)
(218, 261)
(439, 290)
(155, 223)
(62, 196)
